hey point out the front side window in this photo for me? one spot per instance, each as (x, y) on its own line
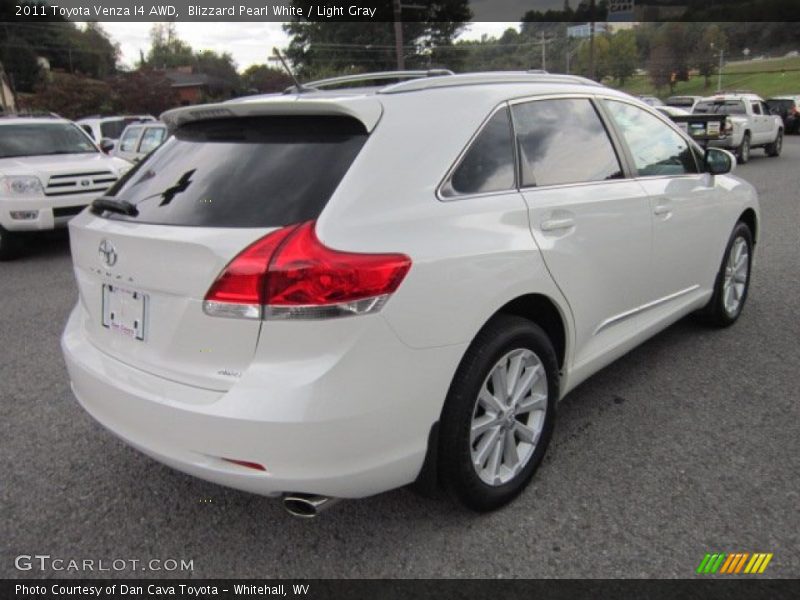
(756, 108)
(128, 141)
(657, 149)
(563, 141)
(41, 139)
(488, 165)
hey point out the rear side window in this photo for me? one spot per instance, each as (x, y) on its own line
(151, 139)
(488, 165)
(563, 141)
(243, 172)
(128, 141)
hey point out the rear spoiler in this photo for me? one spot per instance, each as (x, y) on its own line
(367, 110)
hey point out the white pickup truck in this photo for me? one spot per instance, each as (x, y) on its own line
(750, 124)
(49, 171)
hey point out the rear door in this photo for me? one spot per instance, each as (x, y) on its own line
(592, 225)
(203, 196)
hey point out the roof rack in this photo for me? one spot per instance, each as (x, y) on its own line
(486, 77)
(362, 77)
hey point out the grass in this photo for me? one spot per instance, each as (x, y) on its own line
(768, 77)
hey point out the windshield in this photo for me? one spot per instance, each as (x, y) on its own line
(40, 139)
(720, 107)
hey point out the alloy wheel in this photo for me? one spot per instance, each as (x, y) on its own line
(736, 276)
(508, 417)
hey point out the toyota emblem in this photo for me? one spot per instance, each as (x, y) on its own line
(86, 182)
(108, 253)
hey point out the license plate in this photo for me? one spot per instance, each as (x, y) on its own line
(713, 128)
(697, 129)
(124, 311)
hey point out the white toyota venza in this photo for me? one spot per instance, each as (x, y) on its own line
(331, 293)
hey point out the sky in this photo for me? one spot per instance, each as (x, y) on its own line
(248, 43)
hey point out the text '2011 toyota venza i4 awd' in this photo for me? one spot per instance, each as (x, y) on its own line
(331, 293)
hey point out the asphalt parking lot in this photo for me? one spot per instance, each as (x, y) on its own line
(689, 444)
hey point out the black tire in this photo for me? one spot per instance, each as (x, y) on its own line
(9, 245)
(743, 151)
(715, 312)
(501, 335)
(774, 149)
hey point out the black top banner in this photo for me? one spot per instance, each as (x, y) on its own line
(401, 10)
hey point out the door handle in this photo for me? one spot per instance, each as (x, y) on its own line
(556, 224)
(661, 209)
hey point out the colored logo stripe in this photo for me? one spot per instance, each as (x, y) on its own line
(734, 563)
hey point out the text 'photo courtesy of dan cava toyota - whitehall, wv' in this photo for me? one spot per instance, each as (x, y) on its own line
(517, 278)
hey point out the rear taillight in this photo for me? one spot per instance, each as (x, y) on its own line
(728, 126)
(290, 274)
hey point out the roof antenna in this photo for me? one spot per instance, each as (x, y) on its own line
(298, 86)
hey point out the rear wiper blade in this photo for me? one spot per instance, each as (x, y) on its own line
(112, 204)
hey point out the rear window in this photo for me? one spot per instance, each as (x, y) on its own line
(720, 107)
(243, 172)
(112, 129)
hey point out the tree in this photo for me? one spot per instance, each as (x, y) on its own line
(218, 66)
(71, 96)
(167, 50)
(143, 91)
(66, 47)
(660, 66)
(622, 55)
(602, 64)
(264, 79)
(336, 46)
(712, 42)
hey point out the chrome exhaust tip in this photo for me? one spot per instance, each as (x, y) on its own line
(307, 506)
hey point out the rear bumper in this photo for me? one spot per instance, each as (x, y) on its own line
(346, 426)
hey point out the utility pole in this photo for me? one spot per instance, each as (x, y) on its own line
(544, 52)
(591, 40)
(719, 73)
(398, 35)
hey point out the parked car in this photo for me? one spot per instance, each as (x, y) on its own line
(333, 293)
(105, 131)
(685, 102)
(788, 109)
(49, 171)
(752, 123)
(651, 101)
(702, 128)
(138, 140)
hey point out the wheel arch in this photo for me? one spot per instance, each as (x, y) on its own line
(546, 313)
(749, 218)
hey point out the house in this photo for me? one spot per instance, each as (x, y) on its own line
(195, 88)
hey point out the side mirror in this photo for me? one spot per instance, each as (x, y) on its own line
(719, 161)
(107, 145)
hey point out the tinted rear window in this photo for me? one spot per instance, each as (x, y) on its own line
(243, 172)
